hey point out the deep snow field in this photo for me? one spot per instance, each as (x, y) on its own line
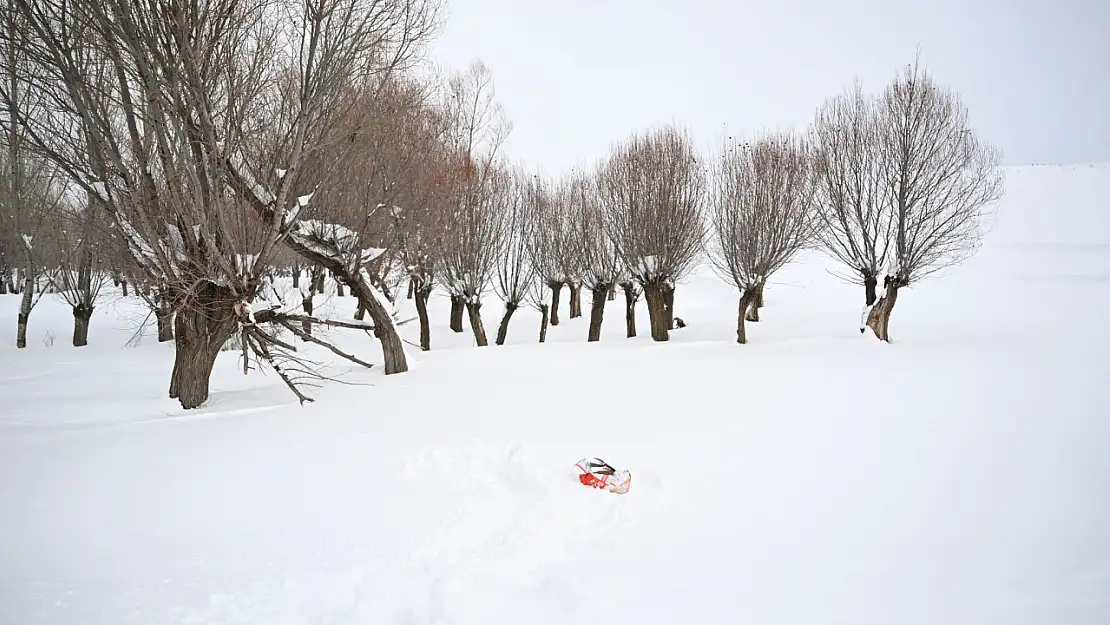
(959, 476)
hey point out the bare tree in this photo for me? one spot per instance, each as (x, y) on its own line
(652, 192)
(855, 217)
(762, 202)
(940, 178)
(83, 268)
(515, 275)
(476, 224)
(601, 266)
(555, 257)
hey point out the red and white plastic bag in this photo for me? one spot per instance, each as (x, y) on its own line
(596, 473)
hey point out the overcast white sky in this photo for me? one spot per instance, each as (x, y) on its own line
(575, 76)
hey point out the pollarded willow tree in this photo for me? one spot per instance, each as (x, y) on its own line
(935, 180)
(762, 202)
(597, 255)
(188, 122)
(515, 274)
(652, 192)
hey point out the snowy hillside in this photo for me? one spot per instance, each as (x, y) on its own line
(959, 476)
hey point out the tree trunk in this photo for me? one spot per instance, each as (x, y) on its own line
(200, 330)
(757, 303)
(747, 301)
(597, 310)
(544, 318)
(25, 306)
(556, 291)
(360, 312)
(575, 300)
(339, 288)
(385, 330)
(81, 317)
(658, 318)
(318, 275)
(123, 285)
(503, 329)
(3, 280)
(474, 311)
(457, 305)
(668, 305)
(412, 288)
(612, 295)
(306, 306)
(630, 298)
(296, 276)
(422, 294)
(163, 316)
(869, 285)
(878, 319)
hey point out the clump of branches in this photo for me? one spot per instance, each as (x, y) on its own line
(905, 182)
(652, 191)
(762, 203)
(84, 264)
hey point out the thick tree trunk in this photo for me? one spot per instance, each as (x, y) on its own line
(878, 319)
(658, 318)
(296, 276)
(597, 310)
(385, 330)
(474, 311)
(458, 303)
(412, 288)
(747, 301)
(25, 306)
(668, 305)
(575, 300)
(630, 299)
(544, 318)
(123, 285)
(503, 329)
(556, 291)
(421, 295)
(200, 330)
(869, 285)
(163, 316)
(757, 303)
(81, 317)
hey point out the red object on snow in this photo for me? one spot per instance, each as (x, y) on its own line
(597, 473)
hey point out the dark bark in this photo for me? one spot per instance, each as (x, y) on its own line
(659, 314)
(575, 300)
(474, 311)
(25, 305)
(878, 319)
(200, 329)
(306, 306)
(123, 285)
(747, 299)
(544, 318)
(503, 329)
(631, 296)
(163, 316)
(81, 317)
(869, 285)
(296, 276)
(757, 303)
(668, 305)
(3, 279)
(339, 292)
(458, 303)
(556, 291)
(422, 295)
(412, 289)
(360, 312)
(318, 275)
(600, 295)
(612, 292)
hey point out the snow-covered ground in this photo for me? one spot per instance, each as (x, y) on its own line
(812, 477)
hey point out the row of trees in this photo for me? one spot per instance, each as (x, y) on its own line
(192, 146)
